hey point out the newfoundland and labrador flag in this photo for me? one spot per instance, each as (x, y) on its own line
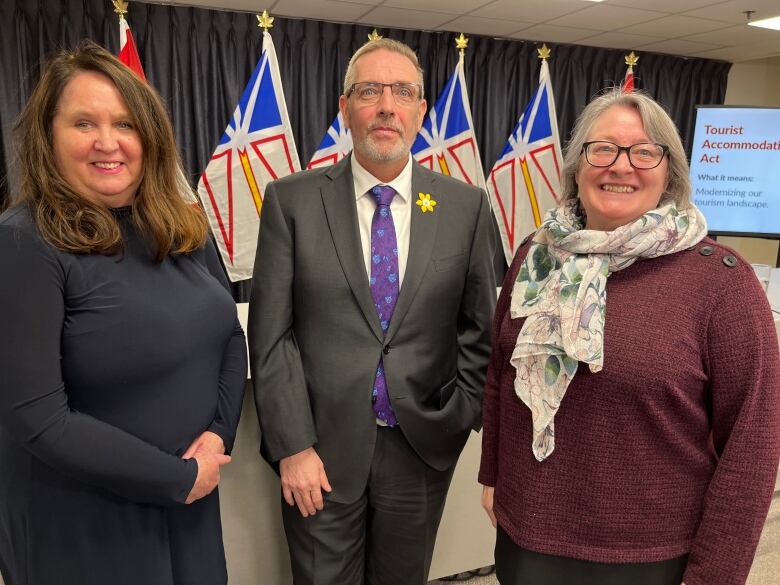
(335, 145)
(446, 142)
(256, 148)
(525, 181)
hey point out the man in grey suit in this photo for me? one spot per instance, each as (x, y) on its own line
(369, 333)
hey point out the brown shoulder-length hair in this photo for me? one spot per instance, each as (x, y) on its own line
(64, 217)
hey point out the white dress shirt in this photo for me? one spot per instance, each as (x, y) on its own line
(400, 208)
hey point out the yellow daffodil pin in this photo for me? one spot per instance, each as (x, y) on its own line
(426, 203)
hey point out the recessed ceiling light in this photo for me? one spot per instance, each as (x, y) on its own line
(594, 0)
(773, 23)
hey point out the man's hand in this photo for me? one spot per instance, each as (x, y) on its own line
(303, 479)
(487, 503)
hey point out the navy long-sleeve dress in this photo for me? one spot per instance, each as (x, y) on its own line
(110, 366)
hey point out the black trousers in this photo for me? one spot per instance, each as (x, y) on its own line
(386, 537)
(519, 566)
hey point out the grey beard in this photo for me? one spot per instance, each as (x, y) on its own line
(369, 149)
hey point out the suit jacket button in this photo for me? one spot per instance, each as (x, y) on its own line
(386, 349)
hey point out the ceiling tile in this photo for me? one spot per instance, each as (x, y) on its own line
(367, 2)
(601, 17)
(530, 10)
(678, 47)
(671, 6)
(447, 6)
(675, 26)
(321, 9)
(243, 5)
(253, 6)
(383, 16)
(617, 40)
(734, 10)
(737, 54)
(738, 35)
(484, 26)
(552, 34)
(556, 21)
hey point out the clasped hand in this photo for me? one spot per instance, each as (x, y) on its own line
(209, 451)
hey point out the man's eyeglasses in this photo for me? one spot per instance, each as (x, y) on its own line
(369, 92)
(644, 155)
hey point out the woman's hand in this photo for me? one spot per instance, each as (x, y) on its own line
(209, 451)
(208, 474)
(487, 503)
(207, 442)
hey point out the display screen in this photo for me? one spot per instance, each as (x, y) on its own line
(735, 169)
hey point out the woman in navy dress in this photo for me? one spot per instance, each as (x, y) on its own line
(122, 362)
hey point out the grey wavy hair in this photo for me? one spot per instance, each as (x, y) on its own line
(387, 45)
(659, 128)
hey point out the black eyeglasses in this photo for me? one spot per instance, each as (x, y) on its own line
(369, 92)
(643, 155)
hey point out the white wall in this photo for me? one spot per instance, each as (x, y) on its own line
(754, 83)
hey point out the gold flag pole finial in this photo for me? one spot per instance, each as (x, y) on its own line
(120, 7)
(544, 52)
(632, 59)
(264, 21)
(461, 43)
(374, 36)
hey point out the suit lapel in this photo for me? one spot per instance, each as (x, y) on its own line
(338, 198)
(421, 239)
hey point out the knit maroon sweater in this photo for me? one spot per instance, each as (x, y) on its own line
(672, 448)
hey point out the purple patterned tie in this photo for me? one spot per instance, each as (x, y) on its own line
(384, 287)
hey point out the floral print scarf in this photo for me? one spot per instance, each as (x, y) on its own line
(561, 290)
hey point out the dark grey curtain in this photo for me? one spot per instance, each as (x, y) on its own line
(200, 61)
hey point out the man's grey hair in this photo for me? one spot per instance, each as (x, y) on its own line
(387, 45)
(659, 128)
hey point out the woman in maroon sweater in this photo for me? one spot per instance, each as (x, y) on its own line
(632, 408)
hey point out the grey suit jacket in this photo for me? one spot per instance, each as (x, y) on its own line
(314, 334)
